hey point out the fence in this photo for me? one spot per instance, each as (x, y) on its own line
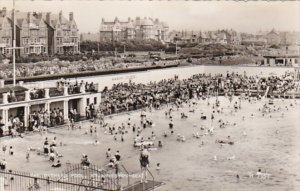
(74, 178)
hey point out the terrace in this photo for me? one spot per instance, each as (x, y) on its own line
(14, 94)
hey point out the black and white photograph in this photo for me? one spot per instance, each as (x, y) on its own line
(127, 95)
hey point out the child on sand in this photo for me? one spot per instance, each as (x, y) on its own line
(4, 148)
(27, 155)
(11, 151)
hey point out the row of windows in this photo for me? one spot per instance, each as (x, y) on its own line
(6, 32)
(73, 26)
(66, 33)
(36, 50)
(6, 40)
(34, 40)
(61, 40)
(5, 51)
(34, 32)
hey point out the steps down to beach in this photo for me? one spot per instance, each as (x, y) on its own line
(138, 186)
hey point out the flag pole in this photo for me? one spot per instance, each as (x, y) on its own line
(14, 44)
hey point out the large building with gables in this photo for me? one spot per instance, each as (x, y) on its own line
(38, 33)
(143, 29)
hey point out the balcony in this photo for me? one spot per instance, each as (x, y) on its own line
(37, 94)
(12, 94)
(16, 97)
(55, 92)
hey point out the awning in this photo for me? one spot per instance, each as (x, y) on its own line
(7, 89)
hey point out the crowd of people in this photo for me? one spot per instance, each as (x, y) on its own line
(66, 67)
(124, 97)
(131, 96)
(75, 87)
(173, 93)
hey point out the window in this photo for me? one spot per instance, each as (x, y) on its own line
(42, 32)
(7, 40)
(95, 100)
(43, 40)
(7, 32)
(88, 101)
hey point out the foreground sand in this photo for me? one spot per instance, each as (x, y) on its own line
(272, 144)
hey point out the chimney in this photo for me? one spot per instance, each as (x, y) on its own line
(3, 12)
(102, 20)
(71, 16)
(129, 19)
(48, 17)
(60, 16)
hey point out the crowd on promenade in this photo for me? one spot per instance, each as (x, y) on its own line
(67, 67)
(124, 96)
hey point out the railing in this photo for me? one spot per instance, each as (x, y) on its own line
(76, 179)
(128, 175)
(54, 92)
(16, 98)
(92, 174)
(38, 94)
(152, 178)
(74, 90)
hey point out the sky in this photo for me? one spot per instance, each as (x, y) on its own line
(180, 15)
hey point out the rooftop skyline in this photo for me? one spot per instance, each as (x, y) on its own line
(180, 15)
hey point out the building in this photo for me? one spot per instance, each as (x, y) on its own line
(5, 35)
(39, 33)
(50, 98)
(205, 37)
(64, 33)
(6, 32)
(94, 37)
(143, 29)
(282, 60)
(273, 37)
(252, 40)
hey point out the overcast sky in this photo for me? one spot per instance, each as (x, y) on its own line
(180, 15)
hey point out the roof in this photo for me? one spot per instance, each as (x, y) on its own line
(147, 22)
(9, 88)
(283, 56)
